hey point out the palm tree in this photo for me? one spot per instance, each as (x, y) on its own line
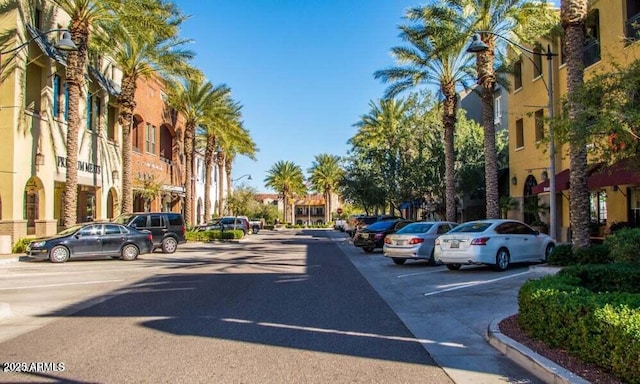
(147, 46)
(285, 177)
(573, 14)
(517, 20)
(193, 98)
(85, 16)
(326, 172)
(436, 57)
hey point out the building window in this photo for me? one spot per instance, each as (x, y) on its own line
(591, 49)
(537, 61)
(598, 202)
(135, 133)
(632, 25)
(151, 138)
(517, 74)
(111, 123)
(57, 89)
(93, 112)
(539, 121)
(519, 133)
(497, 110)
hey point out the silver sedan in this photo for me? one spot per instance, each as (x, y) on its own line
(415, 241)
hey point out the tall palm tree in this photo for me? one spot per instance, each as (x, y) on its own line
(148, 45)
(220, 162)
(85, 16)
(517, 20)
(326, 172)
(573, 14)
(435, 56)
(193, 98)
(285, 177)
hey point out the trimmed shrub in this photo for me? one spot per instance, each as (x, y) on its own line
(214, 235)
(562, 255)
(624, 245)
(593, 254)
(616, 277)
(21, 245)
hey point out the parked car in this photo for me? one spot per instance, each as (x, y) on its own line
(497, 242)
(339, 224)
(228, 223)
(362, 221)
(167, 228)
(91, 240)
(256, 225)
(415, 241)
(373, 235)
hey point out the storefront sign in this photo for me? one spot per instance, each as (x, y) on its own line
(82, 165)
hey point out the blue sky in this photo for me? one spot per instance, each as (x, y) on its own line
(302, 69)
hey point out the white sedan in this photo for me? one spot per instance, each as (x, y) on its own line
(496, 242)
(415, 241)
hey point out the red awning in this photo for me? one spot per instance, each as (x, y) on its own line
(562, 183)
(626, 171)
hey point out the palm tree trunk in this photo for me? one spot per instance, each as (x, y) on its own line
(127, 106)
(220, 162)
(209, 154)
(573, 15)
(227, 170)
(449, 122)
(76, 61)
(327, 213)
(189, 139)
(487, 80)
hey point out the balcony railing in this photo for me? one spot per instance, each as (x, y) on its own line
(591, 52)
(633, 27)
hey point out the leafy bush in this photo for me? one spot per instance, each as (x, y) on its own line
(21, 245)
(593, 254)
(624, 245)
(214, 235)
(562, 255)
(616, 277)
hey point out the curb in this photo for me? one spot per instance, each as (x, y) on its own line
(543, 368)
(6, 259)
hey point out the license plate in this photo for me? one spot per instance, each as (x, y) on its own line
(401, 242)
(364, 236)
(455, 244)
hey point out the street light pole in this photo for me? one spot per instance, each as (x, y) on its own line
(65, 44)
(476, 46)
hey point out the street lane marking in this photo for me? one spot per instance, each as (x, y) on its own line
(419, 273)
(339, 332)
(60, 285)
(472, 284)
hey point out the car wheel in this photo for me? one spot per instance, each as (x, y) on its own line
(453, 267)
(130, 252)
(367, 249)
(548, 251)
(59, 254)
(169, 245)
(502, 259)
(398, 261)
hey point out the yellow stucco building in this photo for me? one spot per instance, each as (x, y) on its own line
(615, 196)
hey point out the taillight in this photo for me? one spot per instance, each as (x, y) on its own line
(437, 241)
(184, 229)
(149, 237)
(387, 240)
(416, 240)
(480, 241)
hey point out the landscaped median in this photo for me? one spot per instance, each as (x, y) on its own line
(592, 311)
(214, 235)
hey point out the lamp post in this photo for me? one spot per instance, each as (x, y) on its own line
(248, 176)
(477, 45)
(64, 44)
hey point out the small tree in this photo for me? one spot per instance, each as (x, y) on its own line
(148, 188)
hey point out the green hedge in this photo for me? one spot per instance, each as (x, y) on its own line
(21, 245)
(214, 235)
(587, 311)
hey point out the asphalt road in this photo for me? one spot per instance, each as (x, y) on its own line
(282, 307)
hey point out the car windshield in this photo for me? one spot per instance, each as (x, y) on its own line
(70, 230)
(381, 225)
(475, 227)
(123, 219)
(416, 228)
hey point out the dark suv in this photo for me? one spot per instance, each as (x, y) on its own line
(167, 228)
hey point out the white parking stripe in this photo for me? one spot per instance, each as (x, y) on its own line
(419, 273)
(475, 283)
(60, 285)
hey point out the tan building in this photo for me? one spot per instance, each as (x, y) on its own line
(615, 196)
